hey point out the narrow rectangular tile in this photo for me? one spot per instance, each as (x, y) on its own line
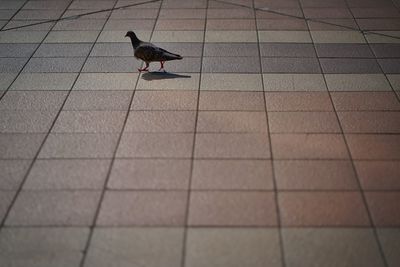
(228, 121)
(235, 101)
(374, 146)
(243, 82)
(357, 82)
(294, 82)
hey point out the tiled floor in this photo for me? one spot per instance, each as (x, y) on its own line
(274, 142)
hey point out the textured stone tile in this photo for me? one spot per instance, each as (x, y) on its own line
(150, 174)
(89, 4)
(290, 65)
(112, 50)
(386, 50)
(232, 247)
(315, 175)
(20, 146)
(231, 121)
(89, 122)
(394, 80)
(305, 209)
(232, 209)
(128, 208)
(231, 64)
(32, 100)
(384, 208)
(98, 100)
(59, 208)
(165, 100)
(187, 64)
(139, 13)
(22, 36)
(12, 65)
(6, 79)
(230, 50)
(26, 26)
(79, 146)
(230, 24)
(182, 13)
(383, 37)
(77, 12)
(179, 24)
(232, 175)
(370, 12)
(11, 4)
(71, 37)
(241, 82)
(337, 37)
(168, 81)
(63, 50)
(13, 172)
(232, 146)
(231, 36)
(119, 36)
(177, 36)
(284, 36)
(308, 146)
(389, 240)
(365, 101)
(26, 121)
(44, 81)
(357, 82)
(185, 4)
(111, 64)
(298, 101)
(38, 14)
(294, 82)
(375, 24)
(183, 49)
(45, 4)
(129, 24)
(164, 145)
(281, 24)
(235, 101)
(6, 199)
(161, 121)
(17, 50)
(106, 81)
(303, 122)
(42, 247)
(231, 13)
(67, 174)
(336, 65)
(344, 50)
(54, 65)
(370, 122)
(286, 50)
(378, 175)
(127, 246)
(390, 65)
(331, 247)
(80, 24)
(373, 146)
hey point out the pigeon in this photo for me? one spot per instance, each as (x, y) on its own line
(149, 52)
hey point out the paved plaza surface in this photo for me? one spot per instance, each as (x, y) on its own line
(274, 142)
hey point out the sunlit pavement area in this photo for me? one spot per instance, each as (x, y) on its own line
(274, 142)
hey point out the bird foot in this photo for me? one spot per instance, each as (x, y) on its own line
(162, 69)
(144, 69)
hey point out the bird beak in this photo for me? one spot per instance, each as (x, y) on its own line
(126, 35)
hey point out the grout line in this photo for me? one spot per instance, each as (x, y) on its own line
(16, 12)
(192, 158)
(370, 219)
(275, 186)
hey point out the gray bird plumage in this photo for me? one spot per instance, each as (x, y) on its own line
(149, 52)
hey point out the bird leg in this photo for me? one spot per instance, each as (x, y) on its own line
(162, 66)
(145, 68)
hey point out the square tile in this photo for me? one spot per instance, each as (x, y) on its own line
(26, 121)
(302, 209)
(370, 121)
(161, 121)
(160, 145)
(389, 240)
(106, 81)
(89, 122)
(54, 65)
(234, 101)
(346, 101)
(384, 208)
(20, 146)
(232, 175)
(168, 81)
(13, 172)
(357, 82)
(231, 121)
(308, 146)
(294, 82)
(177, 36)
(232, 247)
(315, 175)
(165, 100)
(232, 146)
(98, 100)
(331, 247)
(241, 82)
(44, 81)
(231, 37)
(147, 208)
(67, 174)
(135, 246)
(150, 174)
(231, 64)
(352, 37)
(373, 146)
(378, 175)
(284, 36)
(72, 37)
(59, 208)
(290, 65)
(298, 101)
(232, 209)
(63, 50)
(88, 145)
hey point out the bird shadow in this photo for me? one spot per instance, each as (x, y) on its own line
(160, 75)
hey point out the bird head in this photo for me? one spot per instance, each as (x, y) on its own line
(130, 34)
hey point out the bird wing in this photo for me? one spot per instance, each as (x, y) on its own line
(149, 52)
